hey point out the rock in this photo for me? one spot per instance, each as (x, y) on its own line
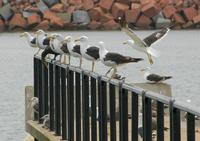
(2, 25)
(163, 3)
(75, 2)
(44, 25)
(168, 11)
(34, 19)
(161, 22)
(66, 17)
(50, 2)
(118, 10)
(106, 17)
(57, 22)
(111, 25)
(42, 6)
(178, 19)
(135, 6)
(150, 10)
(132, 15)
(95, 13)
(17, 21)
(48, 15)
(124, 1)
(143, 21)
(27, 14)
(71, 9)
(81, 17)
(31, 9)
(94, 25)
(189, 13)
(188, 25)
(159, 15)
(57, 7)
(6, 12)
(196, 19)
(87, 4)
(106, 4)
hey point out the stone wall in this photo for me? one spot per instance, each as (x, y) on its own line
(97, 14)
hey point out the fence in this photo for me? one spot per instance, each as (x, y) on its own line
(82, 105)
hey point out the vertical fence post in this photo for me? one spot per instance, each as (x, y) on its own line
(70, 98)
(51, 95)
(64, 103)
(147, 118)
(190, 127)
(112, 112)
(45, 88)
(78, 106)
(123, 104)
(93, 110)
(35, 79)
(160, 121)
(134, 117)
(40, 95)
(85, 101)
(57, 100)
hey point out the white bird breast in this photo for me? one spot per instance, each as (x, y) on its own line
(56, 46)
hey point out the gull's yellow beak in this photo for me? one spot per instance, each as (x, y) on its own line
(77, 40)
(22, 35)
(125, 43)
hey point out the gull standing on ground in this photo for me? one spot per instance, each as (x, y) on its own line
(151, 77)
(88, 52)
(42, 40)
(74, 49)
(30, 38)
(145, 44)
(114, 60)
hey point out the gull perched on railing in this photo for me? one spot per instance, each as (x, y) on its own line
(89, 52)
(42, 40)
(145, 44)
(114, 60)
(30, 38)
(74, 49)
(35, 104)
(152, 77)
(46, 121)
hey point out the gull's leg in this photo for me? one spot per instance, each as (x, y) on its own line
(60, 60)
(150, 58)
(114, 72)
(65, 62)
(108, 71)
(37, 52)
(81, 61)
(69, 59)
(93, 63)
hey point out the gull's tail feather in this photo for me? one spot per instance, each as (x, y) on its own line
(167, 77)
(153, 52)
(135, 59)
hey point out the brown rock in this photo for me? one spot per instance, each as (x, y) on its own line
(168, 11)
(106, 4)
(190, 13)
(71, 9)
(163, 3)
(33, 19)
(178, 19)
(88, 4)
(17, 21)
(2, 25)
(135, 6)
(95, 13)
(75, 2)
(118, 9)
(132, 15)
(187, 25)
(57, 22)
(31, 9)
(111, 25)
(150, 10)
(44, 25)
(106, 17)
(94, 25)
(48, 15)
(143, 21)
(124, 1)
(196, 19)
(58, 7)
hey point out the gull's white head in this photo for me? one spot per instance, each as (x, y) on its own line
(101, 45)
(45, 117)
(82, 39)
(68, 39)
(39, 32)
(34, 100)
(25, 34)
(129, 42)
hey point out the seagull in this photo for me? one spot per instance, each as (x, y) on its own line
(46, 121)
(35, 104)
(42, 40)
(145, 44)
(151, 77)
(88, 52)
(30, 38)
(74, 49)
(114, 60)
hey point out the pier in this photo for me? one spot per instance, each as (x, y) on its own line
(84, 106)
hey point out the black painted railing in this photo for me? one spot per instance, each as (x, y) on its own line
(83, 106)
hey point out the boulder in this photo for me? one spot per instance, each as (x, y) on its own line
(118, 9)
(34, 19)
(17, 21)
(81, 17)
(6, 12)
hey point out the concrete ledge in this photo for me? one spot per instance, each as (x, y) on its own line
(40, 133)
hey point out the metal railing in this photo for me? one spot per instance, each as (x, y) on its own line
(82, 105)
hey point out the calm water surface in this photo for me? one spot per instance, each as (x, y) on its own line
(179, 58)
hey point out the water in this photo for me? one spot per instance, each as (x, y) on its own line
(179, 58)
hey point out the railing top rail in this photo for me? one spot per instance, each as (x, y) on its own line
(154, 96)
